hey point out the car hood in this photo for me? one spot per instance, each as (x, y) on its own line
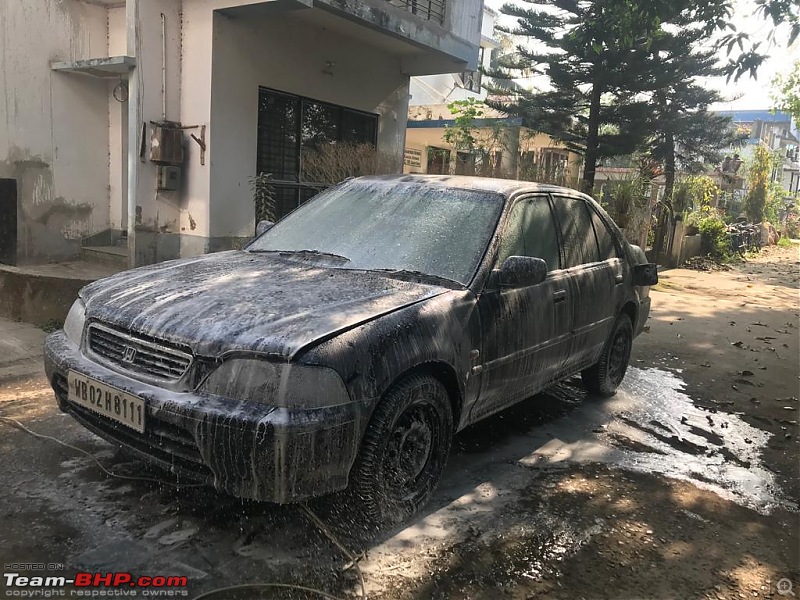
(242, 301)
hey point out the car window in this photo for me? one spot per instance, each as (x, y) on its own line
(605, 239)
(531, 231)
(577, 233)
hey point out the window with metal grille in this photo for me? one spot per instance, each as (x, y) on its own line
(430, 10)
(289, 124)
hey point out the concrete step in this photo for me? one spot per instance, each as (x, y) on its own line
(116, 256)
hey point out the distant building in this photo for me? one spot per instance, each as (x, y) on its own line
(505, 148)
(777, 132)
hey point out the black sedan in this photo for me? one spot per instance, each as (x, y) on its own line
(346, 345)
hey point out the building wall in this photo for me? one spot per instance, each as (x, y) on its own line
(72, 146)
(445, 88)
(511, 143)
(53, 126)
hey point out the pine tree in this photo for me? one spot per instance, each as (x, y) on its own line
(583, 47)
(609, 62)
(683, 131)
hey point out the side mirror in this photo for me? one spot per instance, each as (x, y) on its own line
(522, 271)
(645, 275)
(263, 227)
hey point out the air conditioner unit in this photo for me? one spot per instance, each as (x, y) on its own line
(166, 144)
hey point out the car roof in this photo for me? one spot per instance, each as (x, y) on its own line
(506, 187)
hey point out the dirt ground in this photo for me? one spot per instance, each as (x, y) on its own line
(683, 485)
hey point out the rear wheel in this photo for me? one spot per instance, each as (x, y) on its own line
(606, 375)
(404, 450)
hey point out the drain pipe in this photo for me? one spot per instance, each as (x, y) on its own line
(163, 67)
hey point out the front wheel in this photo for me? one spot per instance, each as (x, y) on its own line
(404, 450)
(606, 375)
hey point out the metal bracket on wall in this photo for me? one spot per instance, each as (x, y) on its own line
(201, 141)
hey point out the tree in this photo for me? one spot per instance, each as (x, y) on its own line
(759, 177)
(786, 92)
(583, 47)
(462, 134)
(782, 15)
(684, 132)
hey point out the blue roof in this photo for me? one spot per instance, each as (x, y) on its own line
(748, 116)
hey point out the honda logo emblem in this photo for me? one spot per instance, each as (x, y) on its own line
(128, 354)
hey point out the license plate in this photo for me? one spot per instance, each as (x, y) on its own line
(107, 400)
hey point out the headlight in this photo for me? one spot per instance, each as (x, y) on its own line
(76, 318)
(286, 385)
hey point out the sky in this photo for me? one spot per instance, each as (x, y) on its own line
(747, 93)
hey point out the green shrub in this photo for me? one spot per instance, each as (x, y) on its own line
(713, 233)
(784, 242)
(792, 226)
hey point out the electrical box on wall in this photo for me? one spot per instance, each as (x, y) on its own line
(169, 178)
(166, 144)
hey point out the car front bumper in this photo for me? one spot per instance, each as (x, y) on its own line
(246, 449)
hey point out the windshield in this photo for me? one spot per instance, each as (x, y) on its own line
(375, 225)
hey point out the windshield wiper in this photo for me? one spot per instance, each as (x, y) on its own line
(314, 253)
(405, 273)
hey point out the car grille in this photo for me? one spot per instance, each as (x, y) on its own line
(138, 355)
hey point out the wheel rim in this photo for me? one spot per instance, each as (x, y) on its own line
(409, 449)
(618, 357)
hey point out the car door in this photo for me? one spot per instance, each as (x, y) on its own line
(594, 279)
(525, 331)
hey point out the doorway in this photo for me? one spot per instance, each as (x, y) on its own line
(8, 221)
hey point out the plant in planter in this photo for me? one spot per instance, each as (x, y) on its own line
(263, 197)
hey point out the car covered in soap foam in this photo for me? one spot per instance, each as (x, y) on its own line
(345, 346)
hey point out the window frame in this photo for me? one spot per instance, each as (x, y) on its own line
(588, 208)
(618, 250)
(546, 196)
(297, 185)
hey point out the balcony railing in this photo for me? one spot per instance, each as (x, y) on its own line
(430, 10)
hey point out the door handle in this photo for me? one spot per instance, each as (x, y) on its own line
(559, 295)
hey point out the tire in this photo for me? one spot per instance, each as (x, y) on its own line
(404, 450)
(606, 375)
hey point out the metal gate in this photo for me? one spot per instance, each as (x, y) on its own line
(663, 235)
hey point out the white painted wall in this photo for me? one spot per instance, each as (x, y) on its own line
(446, 88)
(464, 18)
(53, 126)
(159, 210)
(198, 43)
(117, 31)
